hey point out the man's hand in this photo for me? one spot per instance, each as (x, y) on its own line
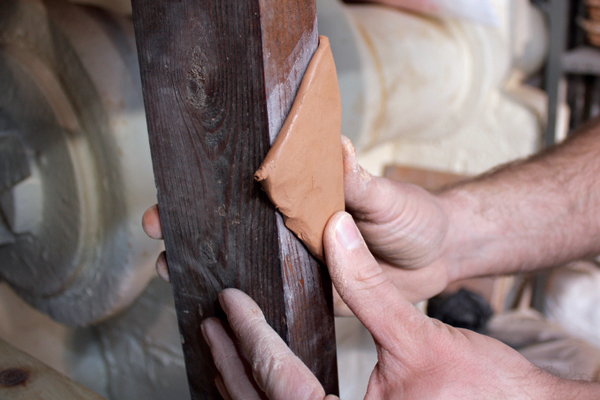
(153, 228)
(405, 228)
(419, 358)
(521, 217)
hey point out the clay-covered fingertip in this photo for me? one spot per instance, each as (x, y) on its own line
(236, 303)
(348, 148)
(230, 296)
(212, 329)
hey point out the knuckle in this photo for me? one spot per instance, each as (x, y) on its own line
(369, 278)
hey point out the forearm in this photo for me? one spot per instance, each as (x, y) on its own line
(566, 389)
(529, 215)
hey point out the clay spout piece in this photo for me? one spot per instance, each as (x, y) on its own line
(302, 172)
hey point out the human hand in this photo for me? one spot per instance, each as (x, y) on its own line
(418, 357)
(153, 228)
(405, 227)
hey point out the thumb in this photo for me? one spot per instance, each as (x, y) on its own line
(366, 194)
(357, 180)
(365, 288)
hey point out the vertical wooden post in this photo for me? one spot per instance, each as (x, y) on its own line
(219, 77)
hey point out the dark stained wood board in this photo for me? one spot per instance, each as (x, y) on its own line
(219, 78)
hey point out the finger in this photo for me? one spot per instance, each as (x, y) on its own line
(356, 179)
(237, 381)
(278, 372)
(220, 384)
(340, 308)
(365, 288)
(151, 223)
(364, 193)
(162, 268)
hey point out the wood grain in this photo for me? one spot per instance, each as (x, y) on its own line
(219, 78)
(23, 377)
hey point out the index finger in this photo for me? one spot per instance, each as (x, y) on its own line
(278, 372)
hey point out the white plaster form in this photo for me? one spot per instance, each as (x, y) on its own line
(439, 94)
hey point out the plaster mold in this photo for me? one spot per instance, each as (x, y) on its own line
(572, 298)
(142, 349)
(437, 89)
(70, 98)
(439, 93)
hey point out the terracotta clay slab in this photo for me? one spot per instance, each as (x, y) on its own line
(302, 173)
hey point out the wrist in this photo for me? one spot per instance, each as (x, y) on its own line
(454, 204)
(472, 246)
(566, 389)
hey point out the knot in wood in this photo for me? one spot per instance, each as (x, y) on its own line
(196, 79)
(13, 377)
(207, 252)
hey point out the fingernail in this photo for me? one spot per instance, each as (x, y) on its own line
(222, 302)
(347, 233)
(204, 333)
